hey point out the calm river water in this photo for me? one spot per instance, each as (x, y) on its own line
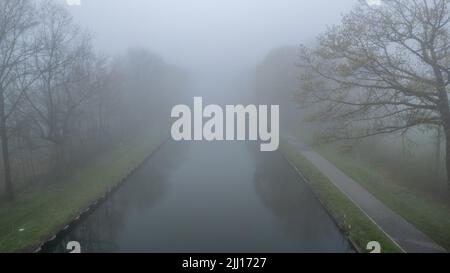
(210, 197)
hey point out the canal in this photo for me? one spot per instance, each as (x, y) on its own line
(210, 197)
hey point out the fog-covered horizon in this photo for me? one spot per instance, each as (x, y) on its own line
(202, 126)
(231, 35)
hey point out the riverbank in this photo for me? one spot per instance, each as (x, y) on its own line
(37, 214)
(352, 220)
(428, 213)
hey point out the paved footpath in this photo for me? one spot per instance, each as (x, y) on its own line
(408, 237)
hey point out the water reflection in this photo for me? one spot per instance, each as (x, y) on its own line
(302, 217)
(101, 231)
(210, 197)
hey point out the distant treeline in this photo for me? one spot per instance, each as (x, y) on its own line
(61, 102)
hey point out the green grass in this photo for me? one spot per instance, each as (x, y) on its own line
(42, 212)
(430, 215)
(358, 227)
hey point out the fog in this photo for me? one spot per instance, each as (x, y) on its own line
(204, 36)
(101, 131)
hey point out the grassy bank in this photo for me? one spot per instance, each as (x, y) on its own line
(358, 227)
(38, 213)
(429, 214)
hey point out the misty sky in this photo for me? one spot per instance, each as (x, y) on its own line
(201, 34)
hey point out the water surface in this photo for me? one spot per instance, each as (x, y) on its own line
(210, 197)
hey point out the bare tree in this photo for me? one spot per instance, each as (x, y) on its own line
(16, 47)
(65, 68)
(384, 70)
(59, 100)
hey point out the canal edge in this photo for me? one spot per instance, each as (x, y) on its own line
(308, 183)
(84, 213)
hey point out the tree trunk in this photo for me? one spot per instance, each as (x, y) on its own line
(439, 154)
(446, 130)
(5, 151)
(447, 154)
(444, 110)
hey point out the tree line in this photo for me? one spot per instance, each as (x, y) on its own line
(385, 69)
(60, 100)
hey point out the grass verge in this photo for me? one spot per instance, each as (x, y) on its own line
(38, 213)
(357, 226)
(428, 214)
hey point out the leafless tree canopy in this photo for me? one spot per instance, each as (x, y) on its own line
(60, 100)
(385, 69)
